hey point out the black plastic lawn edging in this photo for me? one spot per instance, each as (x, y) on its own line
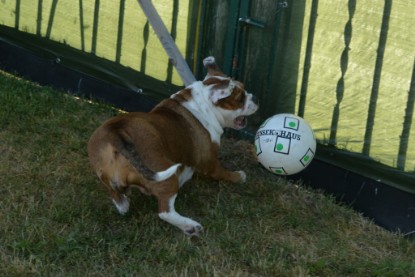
(51, 73)
(389, 207)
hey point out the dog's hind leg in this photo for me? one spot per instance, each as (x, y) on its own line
(167, 212)
(122, 204)
(117, 193)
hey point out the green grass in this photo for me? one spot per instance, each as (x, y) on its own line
(56, 219)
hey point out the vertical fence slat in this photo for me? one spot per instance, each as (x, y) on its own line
(376, 77)
(51, 18)
(95, 28)
(167, 42)
(308, 56)
(407, 124)
(17, 15)
(120, 31)
(231, 27)
(81, 24)
(39, 17)
(173, 33)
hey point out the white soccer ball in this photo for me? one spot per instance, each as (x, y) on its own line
(285, 144)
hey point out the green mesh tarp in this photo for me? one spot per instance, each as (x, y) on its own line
(359, 94)
(115, 30)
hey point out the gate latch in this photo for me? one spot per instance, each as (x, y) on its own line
(251, 22)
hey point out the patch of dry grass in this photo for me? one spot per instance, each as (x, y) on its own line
(56, 219)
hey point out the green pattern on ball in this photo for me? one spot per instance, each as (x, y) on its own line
(292, 124)
(306, 158)
(280, 146)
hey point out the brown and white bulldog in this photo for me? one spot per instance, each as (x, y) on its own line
(159, 151)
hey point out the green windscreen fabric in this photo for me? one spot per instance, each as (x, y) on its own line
(356, 86)
(117, 31)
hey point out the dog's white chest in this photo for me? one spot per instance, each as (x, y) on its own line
(201, 107)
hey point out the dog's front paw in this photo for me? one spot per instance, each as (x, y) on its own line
(195, 230)
(243, 176)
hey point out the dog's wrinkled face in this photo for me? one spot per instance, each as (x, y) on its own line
(232, 101)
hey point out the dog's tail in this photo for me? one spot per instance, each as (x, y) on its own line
(164, 175)
(126, 148)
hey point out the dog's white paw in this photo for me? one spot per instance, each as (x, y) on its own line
(195, 230)
(243, 176)
(123, 206)
(187, 225)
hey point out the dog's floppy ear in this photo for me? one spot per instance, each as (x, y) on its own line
(219, 88)
(212, 67)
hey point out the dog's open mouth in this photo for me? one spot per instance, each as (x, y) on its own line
(240, 122)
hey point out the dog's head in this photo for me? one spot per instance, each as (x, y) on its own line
(231, 101)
